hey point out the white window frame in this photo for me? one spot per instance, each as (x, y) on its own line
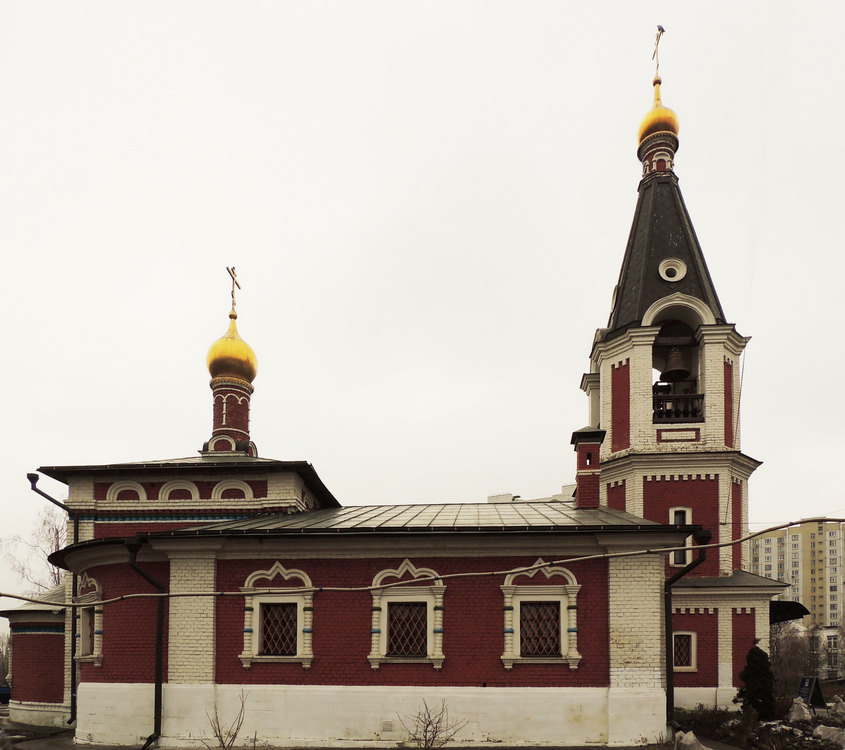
(687, 542)
(89, 622)
(429, 590)
(256, 596)
(566, 593)
(693, 667)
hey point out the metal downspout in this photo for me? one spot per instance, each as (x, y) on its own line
(701, 538)
(33, 480)
(159, 647)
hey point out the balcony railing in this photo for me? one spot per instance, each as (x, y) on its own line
(678, 408)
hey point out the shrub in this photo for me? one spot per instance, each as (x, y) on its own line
(758, 692)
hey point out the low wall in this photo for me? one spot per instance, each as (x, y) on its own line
(341, 716)
(39, 714)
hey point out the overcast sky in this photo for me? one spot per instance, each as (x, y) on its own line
(427, 204)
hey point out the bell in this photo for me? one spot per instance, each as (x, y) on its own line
(675, 370)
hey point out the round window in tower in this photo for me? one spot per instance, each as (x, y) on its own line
(672, 269)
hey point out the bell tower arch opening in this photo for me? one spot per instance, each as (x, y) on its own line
(677, 391)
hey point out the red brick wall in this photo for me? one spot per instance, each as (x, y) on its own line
(699, 493)
(235, 422)
(705, 625)
(473, 623)
(616, 496)
(129, 627)
(743, 640)
(736, 522)
(586, 477)
(37, 663)
(588, 490)
(620, 405)
(729, 404)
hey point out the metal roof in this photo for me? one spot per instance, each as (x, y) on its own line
(445, 517)
(736, 578)
(55, 594)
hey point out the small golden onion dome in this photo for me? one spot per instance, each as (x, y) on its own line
(230, 356)
(659, 119)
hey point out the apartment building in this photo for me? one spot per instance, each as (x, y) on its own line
(809, 558)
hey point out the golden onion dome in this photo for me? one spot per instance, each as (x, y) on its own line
(659, 119)
(230, 356)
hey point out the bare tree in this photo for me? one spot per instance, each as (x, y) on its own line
(430, 727)
(28, 557)
(818, 649)
(789, 649)
(225, 737)
(4, 657)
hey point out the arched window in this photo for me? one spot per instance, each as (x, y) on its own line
(675, 360)
(541, 617)
(407, 624)
(278, 616)
(89, 621)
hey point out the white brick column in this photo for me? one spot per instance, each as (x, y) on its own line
(635, 589)
(725, 528)
(191, 636)
(724, 646)
(636, 699)
(642, 400)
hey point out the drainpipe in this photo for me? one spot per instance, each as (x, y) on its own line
(159, 649)
(701, 537)
(33, 480)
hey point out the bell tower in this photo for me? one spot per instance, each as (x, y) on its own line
(664, 374)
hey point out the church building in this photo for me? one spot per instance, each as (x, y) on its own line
(226, 580)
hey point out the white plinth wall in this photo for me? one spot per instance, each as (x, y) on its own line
(342, 716)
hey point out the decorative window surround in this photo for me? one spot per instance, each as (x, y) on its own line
(692, 641)
(256, 596)
(566, 593)
(179, 484)
(429, 592)
(114, 490)
(89, 622)
(231, 484)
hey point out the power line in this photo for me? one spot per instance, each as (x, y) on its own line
(422, 579)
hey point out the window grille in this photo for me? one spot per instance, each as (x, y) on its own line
(683, 649)
(539, 628)
(407, 629)
(278, 629)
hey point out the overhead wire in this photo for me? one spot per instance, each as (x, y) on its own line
(422, 579)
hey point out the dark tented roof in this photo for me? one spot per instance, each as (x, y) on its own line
(662, 229)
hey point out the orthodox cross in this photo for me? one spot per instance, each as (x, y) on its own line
(655, 56)
(234, 283)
